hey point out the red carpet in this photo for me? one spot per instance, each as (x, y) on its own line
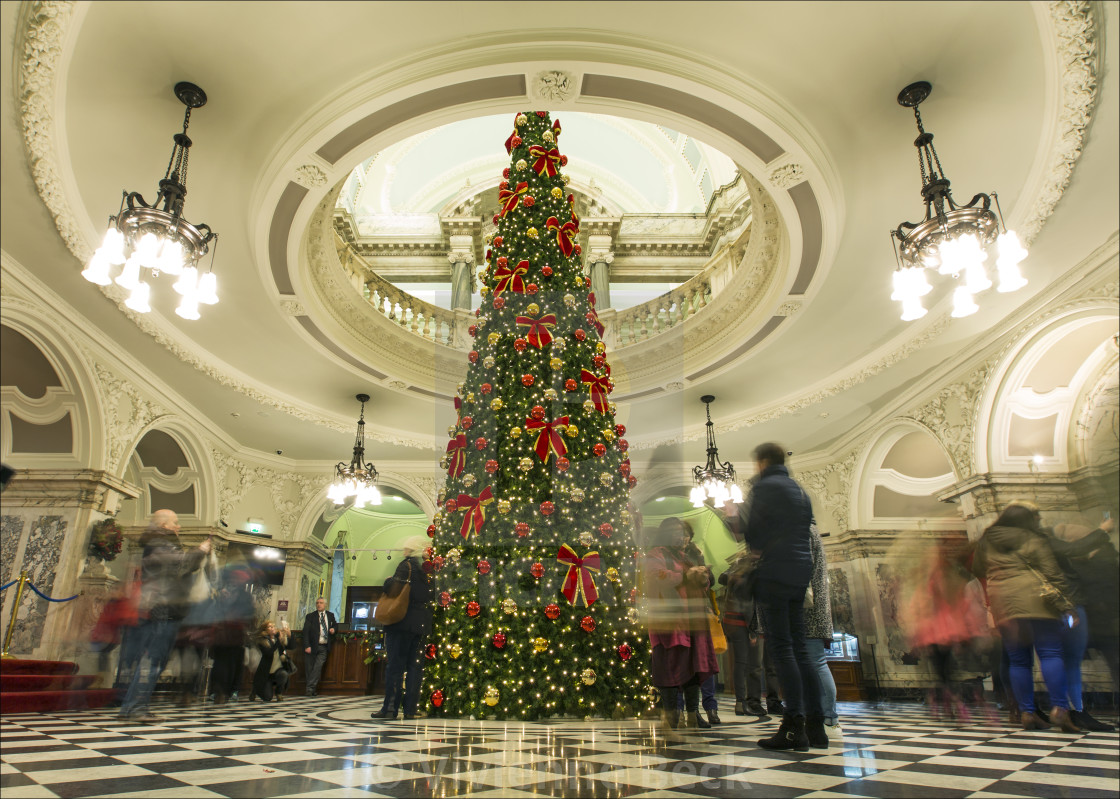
(39, 685)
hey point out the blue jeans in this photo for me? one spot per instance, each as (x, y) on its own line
(1074, 641)
(154, 639)
(824, 675)
(1023, 637)
(782, 609)
(404, 661)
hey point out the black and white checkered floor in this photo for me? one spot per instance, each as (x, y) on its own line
(329, 747)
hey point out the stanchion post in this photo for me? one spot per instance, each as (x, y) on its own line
(12, 621)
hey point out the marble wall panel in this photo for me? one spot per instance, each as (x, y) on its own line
(841, 600)
(40, 559)
(11, 531)
(888, 582)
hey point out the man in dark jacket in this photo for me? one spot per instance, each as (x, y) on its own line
(778, 518)
(165, 572)
(318, 627)
(404, 640)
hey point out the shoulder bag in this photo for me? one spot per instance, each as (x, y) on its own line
(1050, 594)
(719, 640)
(392, 609)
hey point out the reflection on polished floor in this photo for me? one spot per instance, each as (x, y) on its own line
(329, 747)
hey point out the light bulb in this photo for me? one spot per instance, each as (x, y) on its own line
(98, 269)
(963, 304)
(138, 299)
(130, 275)
(208, 288)
(188, 307)
(113, 245)
(976, 279)
(336, 493)
(170, 258)
(187, 284)
(147, 251)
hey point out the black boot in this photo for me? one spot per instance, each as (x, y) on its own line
(1086, 722)
(739, 709)
(754, 708)
(774, 707)
(713, 717)
(790, 736)
(702, 722)
(814, 731)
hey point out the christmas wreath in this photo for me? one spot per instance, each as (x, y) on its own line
(106, 540)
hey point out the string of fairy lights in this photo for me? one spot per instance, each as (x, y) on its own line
(533, 557)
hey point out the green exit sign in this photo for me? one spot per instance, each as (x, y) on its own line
(256, 527)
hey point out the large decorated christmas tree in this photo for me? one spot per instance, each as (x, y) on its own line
(533, 557)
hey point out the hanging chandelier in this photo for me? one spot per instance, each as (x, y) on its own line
(357, 478)
(952, 239)
(715, 480)
(156, 237)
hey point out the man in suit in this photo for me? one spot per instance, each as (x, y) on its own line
(318, 627)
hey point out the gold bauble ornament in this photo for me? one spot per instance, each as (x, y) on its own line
(600, 347)
(559, 344)
(470, 397)
(488, 361)
(492, 696)
(588, 676)
(496, 404)
(612, 407)
(612, 574)
(533, 308)
(437, 517)
(451, 430)
(608, 434)
(515, 432)
(570, 300)
(521, 119)
(549, 394)
(579, 281)
(441, 495)
(548, 137)
(484, 290)
(482, 320)
(459, 389)
(605, 478)
(557, 192)
(456, 650)
(577, 496)
(586, 538)
(525, 464)
(469, 479)
(532, 233)
(494, 337)
(453, 555)
(566, 178)
(556, 363)
(521, 165)
(624, 517)
(509, 606)
(504, 506)
(632, 615)
(589, 405)
(540, 644)
(571, 431)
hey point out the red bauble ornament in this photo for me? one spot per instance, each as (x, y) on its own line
(542, 114)
(504, 184)
(499, 640)
(515, 141)
(498, 239)
(599, 449)
(547, 508)
(520, 344)
(499, 303)
(605, 529)
(537, 412)
(532, 288)
(529, 201)
(437, 698)
(625, 652)
(431, 531)
(579, 334)
(472, 356)
(466, 422)
(624, 467)
(430, 651)
(563, 463)
(598, 360)
(623, 445)
(473, 330)
(552, 610)
(527, 380)
(633, 481)
(480, 443)
(428, 567)
(537, 570)
(578, 250)
(620, 429)
(505, 172)
(588, 624)
(563, 160)
(444, 599)
(546, 270)
(473, 609)
(570, 384)
(633, 595)
(438, 562)
(491, 466)
(450, 506)
(496, 218)
(484, 567)
(486, 388)
(522, 529)
(503, 261)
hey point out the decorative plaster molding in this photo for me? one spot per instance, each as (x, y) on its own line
(788, 308)
(460, 257)
(236, 478)
(832, 485)
(554, 85)
(293, 308)
(122, 424)
(787, 176)
(310, 176)
(950, 415)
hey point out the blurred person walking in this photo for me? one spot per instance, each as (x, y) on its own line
(682, 656)
(165, 573)
(818, 627)
(708, 687)
(230, 618)
(404, 640)
(1029, 598)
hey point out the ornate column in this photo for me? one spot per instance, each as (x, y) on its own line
(599, 259)
(461, 258)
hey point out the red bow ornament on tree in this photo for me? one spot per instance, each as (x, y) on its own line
(457, 455)
(548, 161)
(476, 510)
(600, 387)
(538, 334)
(565, 234)
(510, 199)
(579, 582)
(593, 320)
(510, 279)
(549, 438)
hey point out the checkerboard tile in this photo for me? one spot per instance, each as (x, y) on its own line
(329, 747)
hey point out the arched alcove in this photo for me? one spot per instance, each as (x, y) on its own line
(169, 466)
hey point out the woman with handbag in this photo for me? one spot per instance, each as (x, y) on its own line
(682, 656)
(708, 701)
(1029, 599)
(408, 602)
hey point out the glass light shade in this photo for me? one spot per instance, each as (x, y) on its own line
(337, 493)
(187, 284)
(961, 253)
(147, 251)
(208, 288)
(910, 283)
(138, 300)
(113, 246)
(1011, 251)
(1010, 278)
(368, 495)
(129, 277)
(976, 279)
(736, 494)
(963, 304)
(912, 309)
(188, 307)
(697, 496)
(98, 269)
(171, 258)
